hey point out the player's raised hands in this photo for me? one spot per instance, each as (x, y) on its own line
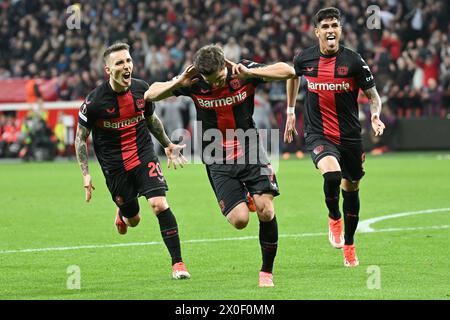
(240, 71)
(290, 129)
(229, 63)
(174, 155)
(88, 186)
(185, 79)
(377, 125)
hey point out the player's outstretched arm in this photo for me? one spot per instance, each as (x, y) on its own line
(273, 72)
(375, 110)
(162, 90)
(82, 157)
(292, 86)
(173, 151)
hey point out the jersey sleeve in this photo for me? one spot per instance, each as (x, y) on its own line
(298, 61)
(149, 109)
(363, 76)
(149, 105)
(86, 115)
(252, 64)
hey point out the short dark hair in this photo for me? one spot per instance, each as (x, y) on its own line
(118, 46)
(209, 59)
(327, 13)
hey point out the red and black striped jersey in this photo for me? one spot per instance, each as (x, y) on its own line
(333, 83)
(227, 108)
(118, 124)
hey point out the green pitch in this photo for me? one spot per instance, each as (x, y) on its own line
(46, 227)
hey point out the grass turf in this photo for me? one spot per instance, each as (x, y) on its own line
(42, 206)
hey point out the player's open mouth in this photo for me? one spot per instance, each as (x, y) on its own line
(331, 40)
(127, 75)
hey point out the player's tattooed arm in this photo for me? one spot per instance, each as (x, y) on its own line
(374, 100)
(82, 157)
(81, 148)
(156, 127)
(375, 109)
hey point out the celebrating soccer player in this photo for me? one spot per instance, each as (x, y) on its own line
(120, 121)
(223, 93)
(334, 75)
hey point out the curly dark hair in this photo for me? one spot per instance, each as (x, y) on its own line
(209, 59)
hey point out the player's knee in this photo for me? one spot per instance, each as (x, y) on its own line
(332, 178)
(264, 207)
(350, 186)
(266, 214)
(240, 223)
(238, 217)
(133, 221)
(158, 204)
(265, 211)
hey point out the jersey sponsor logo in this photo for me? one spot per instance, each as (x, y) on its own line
(223, 102)
(140, 103)
(342, 70)
(368, 79)
(323, 86)
(309, 69)
(123, 123)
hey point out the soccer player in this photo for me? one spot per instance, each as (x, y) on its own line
(334, 75)
(223, 93)
(120, 121)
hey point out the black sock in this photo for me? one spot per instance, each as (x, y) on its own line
(331, 188)
(351, 214)
(268, 239)
(169, 232)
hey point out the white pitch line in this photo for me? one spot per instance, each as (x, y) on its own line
(364, 226)
(135, 244)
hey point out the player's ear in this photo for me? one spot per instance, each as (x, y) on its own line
(316, 32)
(107, 69)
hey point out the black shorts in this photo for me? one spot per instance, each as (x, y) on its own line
(231, 182)
(351, 156)
(146, 180)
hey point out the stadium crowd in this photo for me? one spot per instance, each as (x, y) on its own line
(409, 52)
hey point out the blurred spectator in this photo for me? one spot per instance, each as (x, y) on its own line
(38, 141)
(432, 98)
(264, 118)
(232, 50)
(383, 144)
(410, 54)
(172, 112)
